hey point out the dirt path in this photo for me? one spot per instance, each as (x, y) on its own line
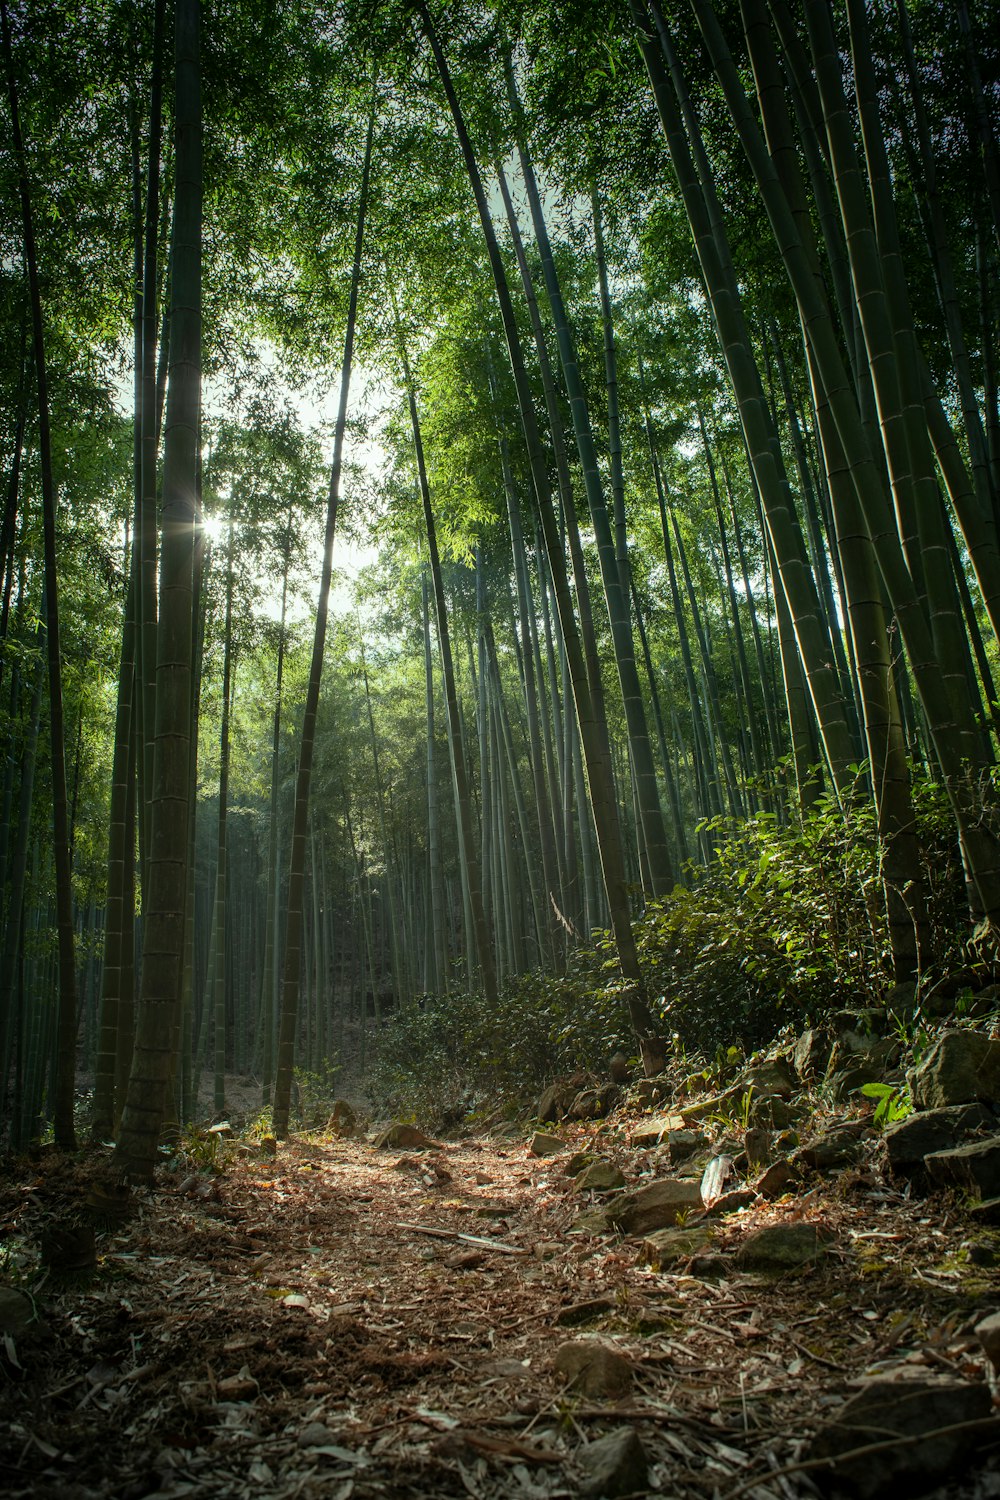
(282, 1328)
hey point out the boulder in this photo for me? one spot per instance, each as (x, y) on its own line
(776, 1180)
(908, 1141)
(782, 1247)
(682, 1144)
(961, 1067)
(772, 1075)
(835, 1148)
(554, 1103)
(599, 1177)
(665, 1247)
(914, 1409)
(593, 1369)
(974, 1168)
(652, 1131)
(757, 1146)
(771, 1112)
(613, 1465)
(812, 1052)
(618, 1068)
(657, 1206)
(593, 1104)
(543, 1144)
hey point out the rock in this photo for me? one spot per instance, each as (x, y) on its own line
(618, 1068)
(715, 1104)
(910, 1140)
(757, 1146)
(707, 1267)
(584, 1312)
(657, 1206)
(593, 1368)
(593, 1104)
(404, 1138)
(988, 1334)
(557, 1098)
(986, 1211)
(614, 1465)
(315, 1435)
(836, 1148)
(975, 1167)
(684, 1143)
(776, 1179)
(844, 1082)
(771, 1112)
(599, 1177)
(812, 1052)
(731, 1203)
(16, 1311)
(466, 1260)
(651, 1132)
(773, 1075)
(962, 1066)
(542, 1144)
(651, 1090)
(782, 1247)
(914, 1409)
(594, 1221)
(665, 1247)
(576, 1163)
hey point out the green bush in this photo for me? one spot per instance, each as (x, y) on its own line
(787, 922)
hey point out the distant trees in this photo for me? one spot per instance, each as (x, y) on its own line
(675, 463)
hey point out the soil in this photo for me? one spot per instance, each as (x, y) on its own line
(349, 1320)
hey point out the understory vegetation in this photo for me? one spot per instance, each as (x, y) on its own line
(783, 928)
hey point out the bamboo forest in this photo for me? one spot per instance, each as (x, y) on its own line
(499, 646)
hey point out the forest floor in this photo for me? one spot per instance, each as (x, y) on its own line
(349, 1320)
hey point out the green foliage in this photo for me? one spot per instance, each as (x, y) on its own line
(784, 925)
(894, 1102)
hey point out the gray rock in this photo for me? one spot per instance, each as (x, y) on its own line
(594, 1104)
(843, 1082)
(777, 1179)
(782, 1247)
(910, 1140)
(576, 1163)
(812, 1052)
(961, 1067)
(682, 1144)
(652, 1131)
(769, 1112)
(593, 1221)
(657, 1206)
(543, 1144)
(773, 1075)
(614, 1465)
(836, 1148)
(665, 1247)
(986, 1212)
(975, 1167)
(555, 1101)
(901, 999)
(599, 1177)
(593, 1368)
(912, 1409)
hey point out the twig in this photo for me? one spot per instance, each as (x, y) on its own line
(819, 1359)
(882, 1446)
(467, 1239)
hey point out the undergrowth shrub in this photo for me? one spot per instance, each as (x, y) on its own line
(785, 924)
